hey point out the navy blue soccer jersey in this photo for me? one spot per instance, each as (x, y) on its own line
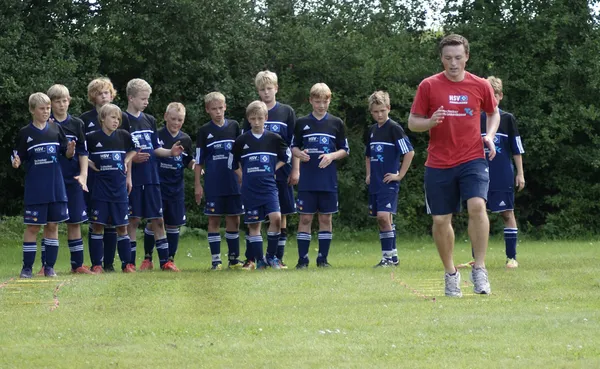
(39, 150)
(170, 170)
(91, 123)
(386, 146)
(281, 120)
(508, 143)
(144, 135)
(74, 131)
(319, 137)
(108, 154)
(258, 158)
(214, 147)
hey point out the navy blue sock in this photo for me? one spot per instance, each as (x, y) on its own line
(233, 245)
(173, 238)
(248, 254)
(303, 239)
(96, 248)
(148, 243)
(510, 240)
(124, 247)
(394, 250)
(29, 250)
(110, 245)
(281, 243)
(272, 243)
(256, 245)
(214, 241)
(387, 239)
(132, 251)
(324, 245)
(76, 249)
(162, 248)
(43, 253)
(51, 252)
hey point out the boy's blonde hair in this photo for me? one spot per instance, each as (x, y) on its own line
(264, 78)
(379, 98)
(257, 107)
(320, 91)
(57, 92)
(175, 106)
(213, 96)
(137, 85)
(36, 99)
(97, 86)
(496, 84)
(107, 110)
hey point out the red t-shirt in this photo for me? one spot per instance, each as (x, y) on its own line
(457, 139)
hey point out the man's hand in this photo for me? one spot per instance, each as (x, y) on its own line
(520, 182)
(437, 117)
(489, 142)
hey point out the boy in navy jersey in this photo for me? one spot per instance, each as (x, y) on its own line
(259, 154)
(387, 145)
(319, 140)
(38, 146)
(110, 152)
(170, 173)
(74, 172)
(214, 144)
(100, 92)
(145, 199)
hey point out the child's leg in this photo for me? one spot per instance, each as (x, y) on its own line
(282, 238)
(162, 245)
(173, 239)
(75, 245)
(110, 246)
(511, 233)
(325, 235)
(304, 237)
(214, 239)
(386, 235)
(256, 241)
(123, 246)
(232, 236)
(51, 231)
(148, 241)
(96, 245)
(273, 234)
(30, 245)
(134, 223)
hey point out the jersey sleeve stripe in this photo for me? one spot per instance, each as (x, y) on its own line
(198, 154)
(519, 144)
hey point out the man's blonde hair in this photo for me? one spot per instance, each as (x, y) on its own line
(56, 92)
(320, 91)
(98, 85)
(496, 84)
(379, 98)
(36, 99)
(107, 110)
(137, 85)
(264, 78)
(257, 107)
(213, 96)
(175, 106)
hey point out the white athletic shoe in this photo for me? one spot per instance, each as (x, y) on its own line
(453, 285)
(481, 284)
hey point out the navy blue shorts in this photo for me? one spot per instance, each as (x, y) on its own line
(41, 214)
(174, 212)
(257, 210)
(286, 198)
(499, 202)
(76, 204)
(384, 202)
(310, 202)
(145, 202)
(224, 205)
(446, 189)
(109, 213)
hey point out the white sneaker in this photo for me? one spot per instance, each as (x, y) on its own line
(452, 285)
(481, 284)
(512, 263)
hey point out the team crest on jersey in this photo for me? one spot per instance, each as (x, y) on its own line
(147, 137)
(458, 99)
(177, 158)
(378, 148)
(496, 139)
(264, 159)
(275, 127)
(324, 140)
(51, 149)
(228, 146)
(116, 156)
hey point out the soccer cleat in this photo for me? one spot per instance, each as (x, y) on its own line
(261, 265)
(481, 284)
(41, 272)
(302, 266)
(274, 263)
(129, 268)
(282, 264)
(452, 282)
(235, 264)
(170, 266)
(97, 269)
(323, 264)
(147, 264)
(216, 266)
(512, 263)
(82, 270)
(49, 272)
(466, 265)
(385, 263)
(249, 265)
(109, 268)
(26, 273)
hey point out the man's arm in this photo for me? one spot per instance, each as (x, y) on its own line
(420, 123)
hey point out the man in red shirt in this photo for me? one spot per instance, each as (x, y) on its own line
(448, 105)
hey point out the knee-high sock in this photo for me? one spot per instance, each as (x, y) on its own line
(233, 245)
(124, 247)
(303, 239)
(510, 241)
(29, 250)
(110, 245)
(76, 249)
(173, 238)
(324, 244)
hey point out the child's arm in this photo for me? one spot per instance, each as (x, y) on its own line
(176, 150)
(368, 169)
(520, 178)
(128, 159)
(238, 172)
(20, 152)
(343, 151)
(397, 177)
(198, 190)
(83, 172)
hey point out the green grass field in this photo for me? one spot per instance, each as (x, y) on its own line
(546, 314)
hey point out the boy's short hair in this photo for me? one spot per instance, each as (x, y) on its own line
(379, 98)
(454, 40)
(320, 91)
(213, 96)
(137, 85)
(36, 99)
(175, 106)
(264, 78)
(57, 92)
(257, 107)
(496, 84)
(108, 109)
(97, 86)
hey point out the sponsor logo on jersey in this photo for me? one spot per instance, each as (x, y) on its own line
(458, 99)
(469, 111)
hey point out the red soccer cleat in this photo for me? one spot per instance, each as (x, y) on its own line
(147, 265)
(82, 270)
(97, 269)
(129, 268)
(170, 266)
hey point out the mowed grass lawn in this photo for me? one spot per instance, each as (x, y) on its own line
(546, 314)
